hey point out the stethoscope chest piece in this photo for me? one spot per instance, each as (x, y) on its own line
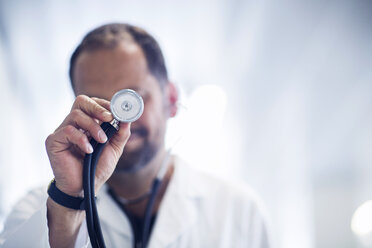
(127, 105)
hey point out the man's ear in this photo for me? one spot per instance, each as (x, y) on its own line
(172, 95)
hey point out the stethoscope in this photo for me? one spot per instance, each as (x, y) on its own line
(126, 106)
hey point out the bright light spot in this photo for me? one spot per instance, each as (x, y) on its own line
(361, 222)
(208, 102)
(201, 127)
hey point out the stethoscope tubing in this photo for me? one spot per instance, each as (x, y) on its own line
(89, 171)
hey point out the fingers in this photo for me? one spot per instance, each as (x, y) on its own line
(104, 103)
(67, 136)
(93, 108)
(83, 122)
(79, 119)
(123, 134)
(86, 114)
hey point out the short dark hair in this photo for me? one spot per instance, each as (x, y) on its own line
(110, 35)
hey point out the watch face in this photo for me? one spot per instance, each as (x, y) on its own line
(127, 105)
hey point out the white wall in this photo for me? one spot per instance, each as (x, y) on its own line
(295, 110)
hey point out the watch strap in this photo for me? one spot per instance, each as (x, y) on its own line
(64, 199)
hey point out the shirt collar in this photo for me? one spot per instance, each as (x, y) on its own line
(177, 212)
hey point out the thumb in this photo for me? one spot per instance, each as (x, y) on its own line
(119, 140)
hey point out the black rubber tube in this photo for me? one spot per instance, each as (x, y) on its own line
(148, 212)
(110, 131)
(89, 171)
(97, 226)
(92, 218)
(87, 201)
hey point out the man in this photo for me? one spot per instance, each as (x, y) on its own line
(191, 209)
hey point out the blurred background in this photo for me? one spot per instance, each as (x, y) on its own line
(277, 93)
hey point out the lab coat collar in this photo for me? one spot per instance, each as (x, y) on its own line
(177, 212)
(111, 214)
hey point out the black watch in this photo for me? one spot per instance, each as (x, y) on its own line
(64, 199)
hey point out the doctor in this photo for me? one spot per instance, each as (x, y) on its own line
(192, 209)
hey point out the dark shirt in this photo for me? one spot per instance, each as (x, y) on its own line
(136, 222)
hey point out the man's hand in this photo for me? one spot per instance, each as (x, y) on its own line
(66, 148)
(69, 143)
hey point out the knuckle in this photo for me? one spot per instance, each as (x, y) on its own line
(75, 113)
(49, 140)
(94, 127)
(80, 98)
(69, 130)
(97, 108)
(82, 139)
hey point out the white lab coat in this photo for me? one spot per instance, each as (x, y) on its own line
(198, 210)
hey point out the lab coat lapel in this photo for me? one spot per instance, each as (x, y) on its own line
(111, 214)
(178, 210)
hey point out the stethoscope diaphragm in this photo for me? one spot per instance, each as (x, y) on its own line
(126, 105)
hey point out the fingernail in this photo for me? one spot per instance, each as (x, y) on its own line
(89, 148)
(102, 136)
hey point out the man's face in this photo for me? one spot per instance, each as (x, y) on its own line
(103, 72)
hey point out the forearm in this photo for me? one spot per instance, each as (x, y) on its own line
(63, 224)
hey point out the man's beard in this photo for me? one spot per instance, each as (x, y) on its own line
(131, 162)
